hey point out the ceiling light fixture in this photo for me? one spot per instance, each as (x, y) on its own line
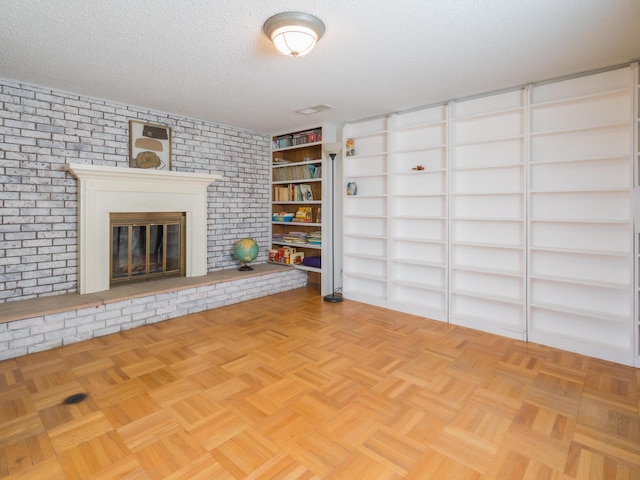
(294, 33)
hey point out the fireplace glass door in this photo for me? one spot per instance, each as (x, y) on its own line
(147, 245)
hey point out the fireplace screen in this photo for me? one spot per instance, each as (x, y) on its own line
(147, 245)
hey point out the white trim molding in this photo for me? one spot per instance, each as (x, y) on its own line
(104, 190)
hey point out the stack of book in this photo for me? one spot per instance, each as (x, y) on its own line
(277, 237)
(315, 238)
(295, 237)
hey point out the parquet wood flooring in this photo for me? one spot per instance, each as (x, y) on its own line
(290, 387)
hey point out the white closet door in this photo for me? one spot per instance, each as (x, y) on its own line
(418, 213)
(365, 214)
(580, 218)
(487, 266)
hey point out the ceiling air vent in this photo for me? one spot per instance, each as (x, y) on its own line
(312, 110)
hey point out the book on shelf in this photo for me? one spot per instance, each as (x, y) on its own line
(292, 193)
(296, 193)
(305, 192)
(296, 172)
(314, 170)
(297, 138)
(281, 194)
(295, 237)
(283, 141)
(315, 238)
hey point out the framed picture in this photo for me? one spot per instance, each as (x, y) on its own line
(149, 146)
(305, 192)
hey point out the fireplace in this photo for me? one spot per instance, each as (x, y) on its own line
(106, 190)
(146, 246)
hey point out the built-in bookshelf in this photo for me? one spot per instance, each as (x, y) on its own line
(511, 213)
(487, 224)
(418, 230)
(365, 213)
(580, 218)
(300, 202)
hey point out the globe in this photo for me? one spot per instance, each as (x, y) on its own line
(245, 251)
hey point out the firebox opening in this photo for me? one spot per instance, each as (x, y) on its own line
(146, 246)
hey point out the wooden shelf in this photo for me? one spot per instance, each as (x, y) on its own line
(304, 155)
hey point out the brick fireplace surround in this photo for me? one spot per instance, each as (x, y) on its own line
(46, 129)
(40, 324)
(35, 325)
(106, 190)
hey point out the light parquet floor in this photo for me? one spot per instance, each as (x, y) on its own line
(290, 387)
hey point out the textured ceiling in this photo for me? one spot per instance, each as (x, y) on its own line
(209, 59)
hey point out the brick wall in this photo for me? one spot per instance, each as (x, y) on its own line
(43, 332)
(42, 129)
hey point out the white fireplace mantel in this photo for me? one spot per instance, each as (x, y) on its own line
(105, 190)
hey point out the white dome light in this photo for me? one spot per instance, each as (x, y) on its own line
(294, 33)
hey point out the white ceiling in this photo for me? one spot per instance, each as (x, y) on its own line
(209, 59)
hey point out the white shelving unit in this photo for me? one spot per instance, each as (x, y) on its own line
(487, 214)
(580, 220)
(519, 221)
(418, 213)
(365, 215)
